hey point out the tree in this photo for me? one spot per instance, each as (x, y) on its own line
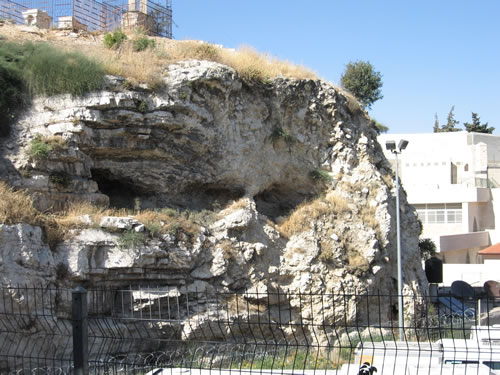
(450, 123)
(379, 127)
(436, 123)
(476, 125)
(427, 248)
(361, 80)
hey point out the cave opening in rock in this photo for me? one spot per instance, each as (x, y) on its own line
(122, 193)
(280, 201)
(207, 197)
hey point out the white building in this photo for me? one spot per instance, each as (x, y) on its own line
(453, 181)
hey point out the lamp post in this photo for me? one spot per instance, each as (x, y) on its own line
(391, 146)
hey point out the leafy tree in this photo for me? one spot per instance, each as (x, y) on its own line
(476, 125)
(427, 248)
(379, 127)
(361, 80)
(450, 123)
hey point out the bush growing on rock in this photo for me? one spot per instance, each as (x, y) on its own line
(28, 69)
(11, 95)
(143, 43)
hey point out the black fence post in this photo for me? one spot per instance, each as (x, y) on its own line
(80, 331)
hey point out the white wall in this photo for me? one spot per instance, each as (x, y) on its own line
(474, 274)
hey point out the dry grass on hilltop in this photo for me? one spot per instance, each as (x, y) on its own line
(146, 66)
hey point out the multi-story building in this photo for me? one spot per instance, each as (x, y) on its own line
(453, 181)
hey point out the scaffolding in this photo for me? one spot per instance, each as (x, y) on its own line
(93, 15)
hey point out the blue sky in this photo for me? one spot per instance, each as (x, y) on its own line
(432, 54)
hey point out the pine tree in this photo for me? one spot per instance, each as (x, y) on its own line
(451, 122)
(476, 125)
(436, 124)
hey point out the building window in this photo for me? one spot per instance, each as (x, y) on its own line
(444, 213)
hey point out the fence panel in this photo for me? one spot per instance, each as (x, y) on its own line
(140, 330)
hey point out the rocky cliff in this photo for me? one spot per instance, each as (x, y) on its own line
(299, 194)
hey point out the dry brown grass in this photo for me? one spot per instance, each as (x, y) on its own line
(357, 262)
(148, 66)
(252, 65)
(352, 103)
(369, 218)
(228, 249)
(71, 217)
(17, 207)
(300, 219)
(388, 178)
(233, 206)
(56, 142)
(137, 67)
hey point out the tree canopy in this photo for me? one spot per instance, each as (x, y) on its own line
(361, 80)
(379, 127)
(427, 248)
(476, 125)
(450, 125)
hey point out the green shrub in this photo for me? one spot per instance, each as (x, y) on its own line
(60, 178)
(320, 175)
(48, 71)
(11, 95)
(131, 239)
(142, 106)
(39, 149)
(28, 69)
(143, 43)
(279, 133)
(114, 39)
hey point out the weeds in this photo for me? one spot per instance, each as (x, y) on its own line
(142, 43)
(39, 148)
(142, 106)
(278, 133)
(114, 39)
(60, 178)
(320, 175)
(132, 239)
(39, 69)
(17, 207)
(300, 220)
(11, 95)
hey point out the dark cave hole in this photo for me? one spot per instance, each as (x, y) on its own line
(122, 193)
(280, 201)
(206, 197)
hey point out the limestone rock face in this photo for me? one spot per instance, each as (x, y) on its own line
(208, 138)
(24, 257)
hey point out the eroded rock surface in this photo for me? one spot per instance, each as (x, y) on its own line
(206, 139)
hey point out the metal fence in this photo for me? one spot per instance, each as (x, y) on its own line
(160, 330)
(98, 15)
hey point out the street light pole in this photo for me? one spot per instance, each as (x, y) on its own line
(391, 146)
(398, 239)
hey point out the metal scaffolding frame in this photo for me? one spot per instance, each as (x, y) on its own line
(97, 15)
